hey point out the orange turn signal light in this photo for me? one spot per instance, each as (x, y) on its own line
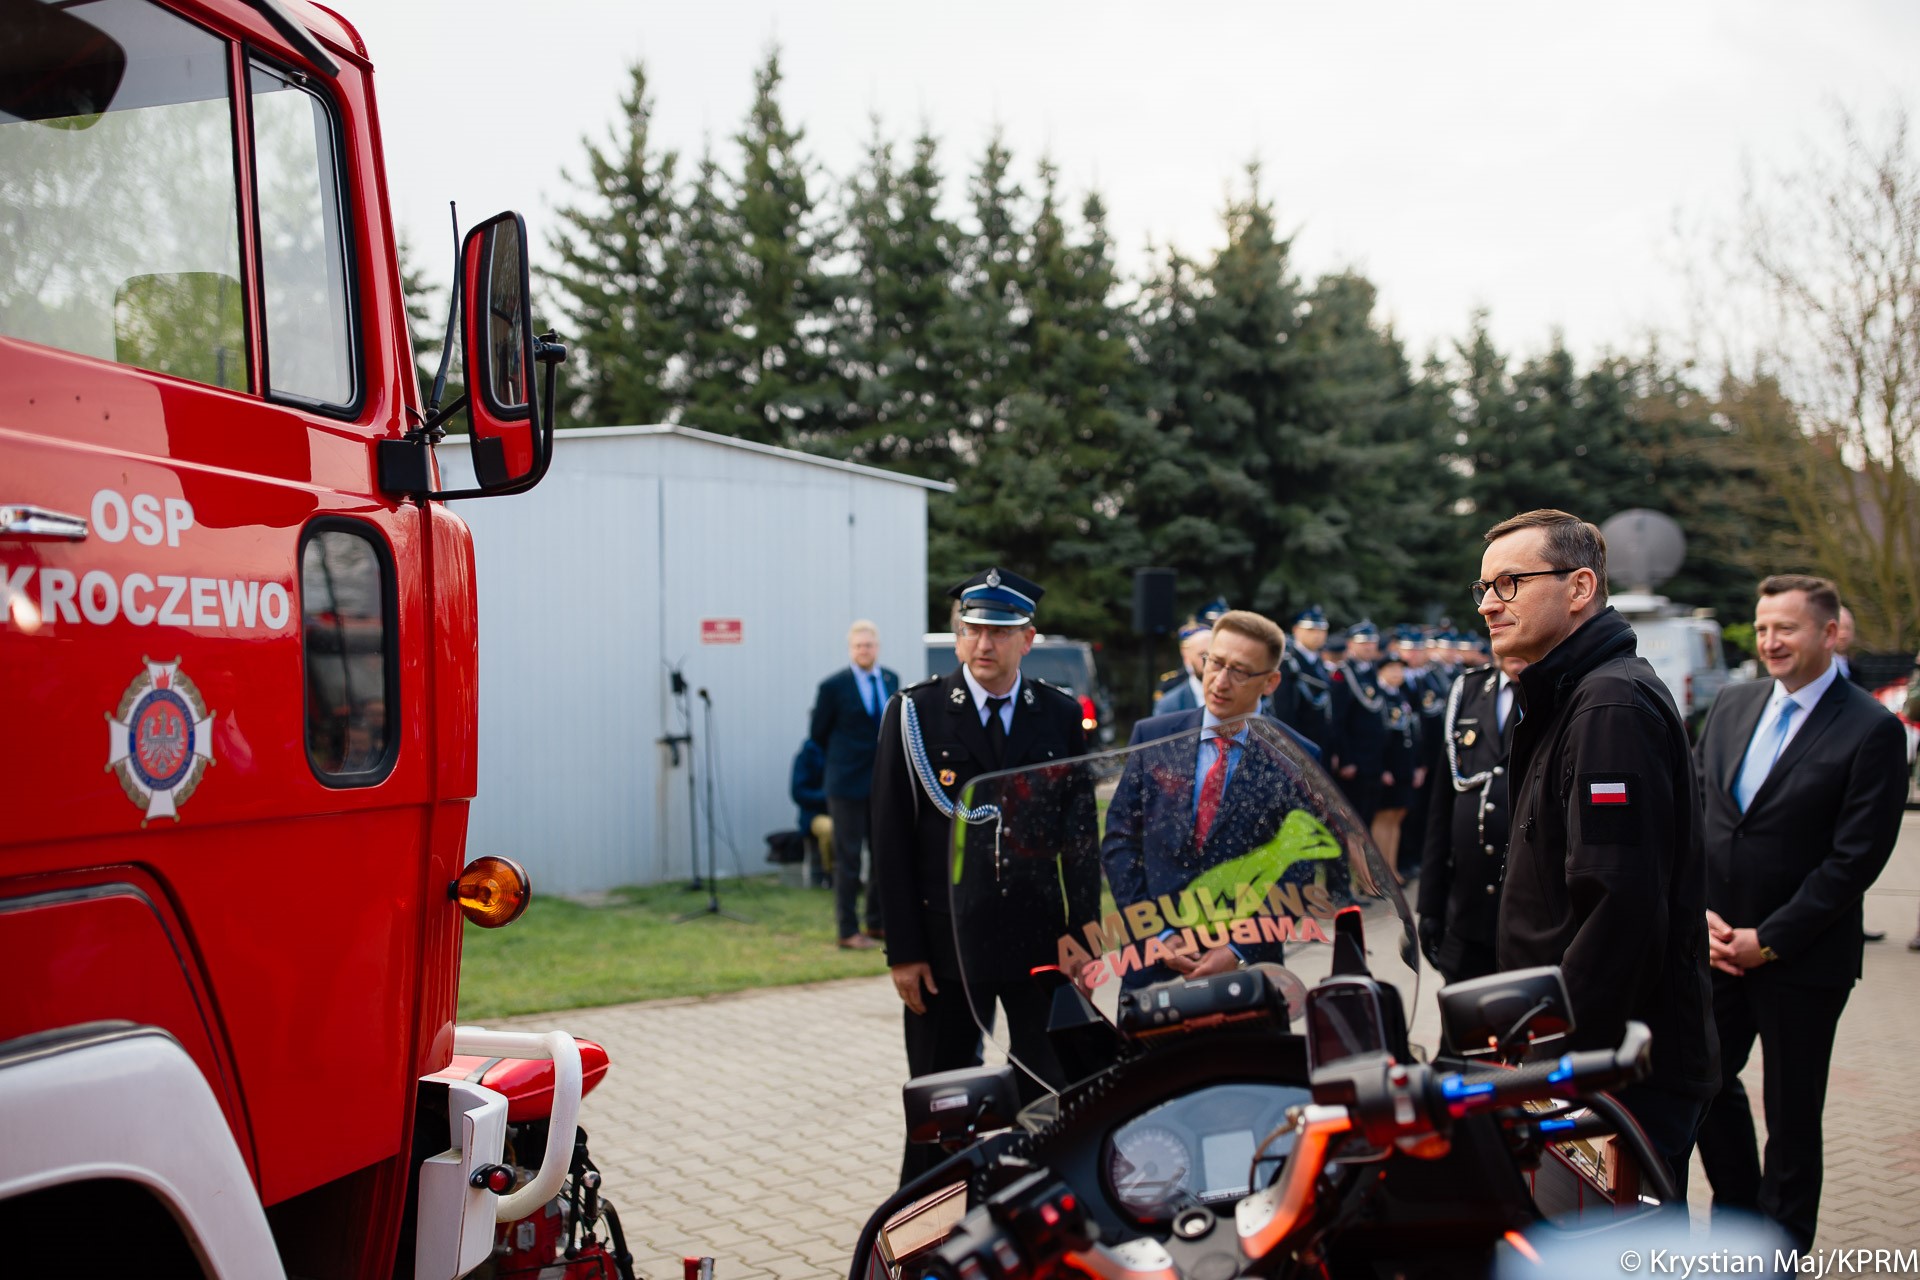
(493, 891)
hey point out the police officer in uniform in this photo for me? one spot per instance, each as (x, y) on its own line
(936, 738)
(1304, 700)
(1467, 824)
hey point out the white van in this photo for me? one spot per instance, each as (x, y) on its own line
(1683, 646)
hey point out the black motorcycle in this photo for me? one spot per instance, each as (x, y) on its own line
(1229, 1083)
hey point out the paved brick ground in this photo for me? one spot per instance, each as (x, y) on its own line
(761, 1128)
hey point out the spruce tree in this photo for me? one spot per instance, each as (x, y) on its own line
(1232, 416)
(981, 333)
(1365, 430)
(616, 277)
(1048, 492)
(786, 296)
(712, 356)
(901, 388)
(1521, 451)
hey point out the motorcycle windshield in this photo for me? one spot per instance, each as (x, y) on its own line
(1150, 864)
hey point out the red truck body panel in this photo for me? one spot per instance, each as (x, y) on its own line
(171, 855)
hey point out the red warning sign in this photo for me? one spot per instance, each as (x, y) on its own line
(720, 631)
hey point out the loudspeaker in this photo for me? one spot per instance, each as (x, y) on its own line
(1152, 602)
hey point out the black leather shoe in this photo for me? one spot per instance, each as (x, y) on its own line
(1873, 935)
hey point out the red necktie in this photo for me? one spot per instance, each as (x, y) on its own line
(1212, 790)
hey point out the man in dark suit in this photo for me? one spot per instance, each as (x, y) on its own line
(846, 724)
(1026, 872)
(1467, 823)
(1802, 778)
(1843, 650)
(1201, 788)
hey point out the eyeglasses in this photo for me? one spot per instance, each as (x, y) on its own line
(1231, 674)
(1507, 585)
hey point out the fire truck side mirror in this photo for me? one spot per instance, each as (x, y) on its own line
(512, 435)
(512, 440)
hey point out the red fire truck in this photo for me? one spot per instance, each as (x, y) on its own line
(238, 651)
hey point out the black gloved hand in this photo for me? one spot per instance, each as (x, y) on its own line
(1432, 931)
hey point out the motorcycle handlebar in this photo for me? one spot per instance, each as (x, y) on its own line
(1024, 1230)
(1570, 1075)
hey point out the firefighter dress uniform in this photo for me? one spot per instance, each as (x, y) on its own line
(1011, 872)
(1467, 830)
(1360, 726)
(1304, 700)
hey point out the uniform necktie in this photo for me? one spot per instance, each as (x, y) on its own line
(876, 697)
(997, 730)
(1761, 756)
(1212, 790)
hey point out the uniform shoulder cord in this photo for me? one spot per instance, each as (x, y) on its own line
(916, 748)
(1453, 750)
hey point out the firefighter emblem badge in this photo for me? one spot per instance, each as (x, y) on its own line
(948, 777)
(160, 741)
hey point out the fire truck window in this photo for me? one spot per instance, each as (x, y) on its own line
(344, 593)
(302, 243)
(121, 232)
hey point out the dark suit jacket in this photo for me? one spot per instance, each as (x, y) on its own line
(1853, 675)
(1149, 847)
(846, 731)
(1796, 864)
(1179, 698)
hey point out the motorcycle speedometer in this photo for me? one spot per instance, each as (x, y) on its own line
(1149, 1168)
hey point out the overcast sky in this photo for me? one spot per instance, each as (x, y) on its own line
(1526, 158)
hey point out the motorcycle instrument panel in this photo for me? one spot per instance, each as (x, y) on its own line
(1199, 1149)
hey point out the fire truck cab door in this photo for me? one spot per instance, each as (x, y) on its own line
(214, 636)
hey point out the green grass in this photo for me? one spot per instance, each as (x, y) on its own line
(563, 955)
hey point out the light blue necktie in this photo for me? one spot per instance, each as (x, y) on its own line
(1762, 755)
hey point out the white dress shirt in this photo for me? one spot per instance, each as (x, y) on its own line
(980, 696)
(1804, 699)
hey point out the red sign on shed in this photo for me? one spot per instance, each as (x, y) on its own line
(720, 631)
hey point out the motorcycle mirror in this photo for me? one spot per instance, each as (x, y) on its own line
(1504, 1011)
(1350, 943)
(954, 1106)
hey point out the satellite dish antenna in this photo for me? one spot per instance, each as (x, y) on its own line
(1644, 548)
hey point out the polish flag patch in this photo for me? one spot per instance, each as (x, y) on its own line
(1606, 793)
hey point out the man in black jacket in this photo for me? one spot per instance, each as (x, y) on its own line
(1605, 875)
(1023, 875)
(1803, 781)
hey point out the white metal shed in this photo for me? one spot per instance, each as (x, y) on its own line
(647, 549)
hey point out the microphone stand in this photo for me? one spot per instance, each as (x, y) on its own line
(713, 880)
(673, 742)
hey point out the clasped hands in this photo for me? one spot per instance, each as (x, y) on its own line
(1732, 950)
